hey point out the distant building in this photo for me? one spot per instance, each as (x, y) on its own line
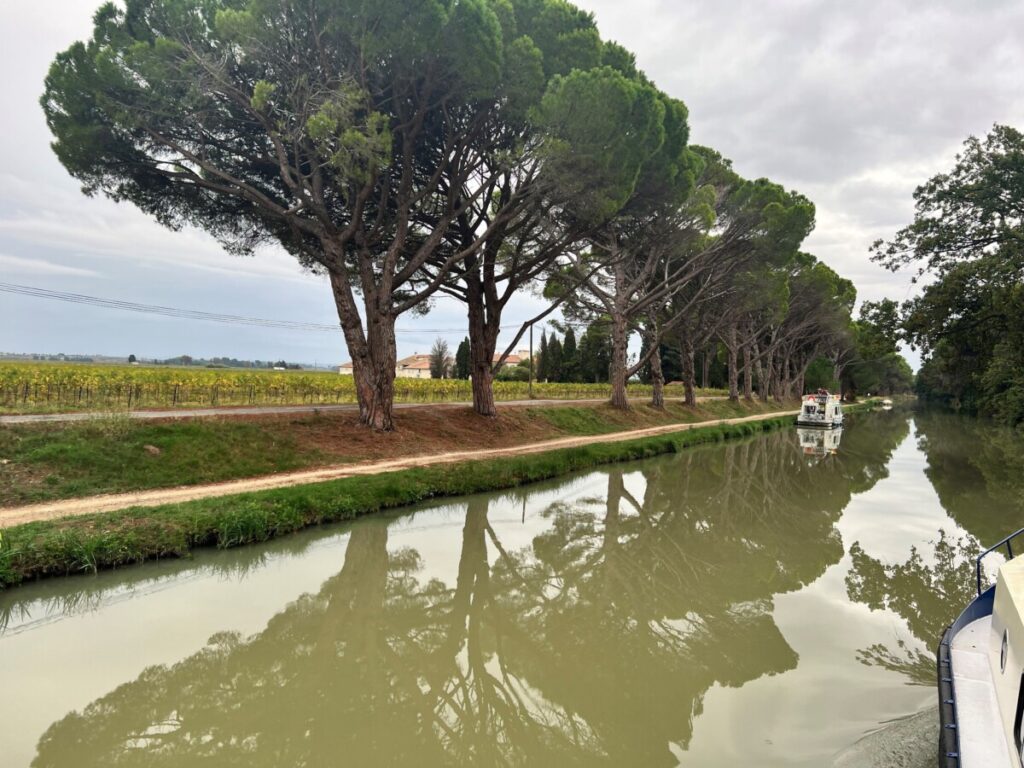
(418, 366)
(412, 367)
(514, 358)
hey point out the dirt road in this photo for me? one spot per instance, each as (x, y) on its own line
(72, 507)
(274, 410)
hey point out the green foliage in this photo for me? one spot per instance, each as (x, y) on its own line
(589, 158)
(595, 354)
(820, 375)
(968, 235)
(462, 360)
(570, 357)
(876, 366)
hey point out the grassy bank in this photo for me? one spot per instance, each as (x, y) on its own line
(115, 454)
(90, 543)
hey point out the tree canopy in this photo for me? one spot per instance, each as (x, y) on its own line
(967, 241)
(477, 148)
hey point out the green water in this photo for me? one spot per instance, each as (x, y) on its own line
(759, 602)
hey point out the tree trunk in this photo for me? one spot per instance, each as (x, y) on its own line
(748, 374)
(380, 373)
(483, 389)
(689, 370)
(617, 368)
(373, 355)
(483, 340)
(706, 369)
(734, 373)
(657, 382)
(786, 385)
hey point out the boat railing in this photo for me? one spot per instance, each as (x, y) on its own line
(1007, 542)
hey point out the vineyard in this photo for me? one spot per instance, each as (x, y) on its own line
(46, 387)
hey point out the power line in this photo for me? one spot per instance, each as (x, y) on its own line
(195, 314)
(153, 309)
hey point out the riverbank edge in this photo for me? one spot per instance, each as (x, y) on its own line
(102, 541)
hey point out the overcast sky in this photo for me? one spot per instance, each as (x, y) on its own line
(852, 104)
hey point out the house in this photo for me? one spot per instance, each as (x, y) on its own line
(412, 367)
(514, 358)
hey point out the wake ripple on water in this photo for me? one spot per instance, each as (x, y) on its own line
(910, 742)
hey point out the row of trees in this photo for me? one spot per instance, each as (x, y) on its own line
(473, 149)
(967, 243)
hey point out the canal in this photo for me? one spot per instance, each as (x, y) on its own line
(771, 601)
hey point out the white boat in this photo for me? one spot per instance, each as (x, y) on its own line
(981, 672)
(821, 410)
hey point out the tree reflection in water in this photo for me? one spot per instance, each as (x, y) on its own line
(976, 471)
(928, 597)
(596, 644)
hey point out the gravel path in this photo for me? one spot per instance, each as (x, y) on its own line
(108, 503)
(272, 410)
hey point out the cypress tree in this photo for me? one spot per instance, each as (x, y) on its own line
(462, 360)
(554, 358)
(569, 363)
(542, 363)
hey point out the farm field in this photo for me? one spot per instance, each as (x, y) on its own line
(57, 387)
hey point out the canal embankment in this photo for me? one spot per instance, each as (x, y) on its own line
(114, 454)
(91, 541)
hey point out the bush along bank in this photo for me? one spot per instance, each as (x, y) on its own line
(90, 543)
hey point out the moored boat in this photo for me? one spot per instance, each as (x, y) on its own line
(981, 672)
(822, 410)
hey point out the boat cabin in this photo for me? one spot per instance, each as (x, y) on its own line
(821, 410)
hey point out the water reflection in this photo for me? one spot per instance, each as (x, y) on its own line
(976, 470)
(819, 443)
(596, 643)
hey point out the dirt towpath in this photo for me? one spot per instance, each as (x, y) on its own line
(276, 410)
(109, 503)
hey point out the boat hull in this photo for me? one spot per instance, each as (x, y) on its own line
(950, 752)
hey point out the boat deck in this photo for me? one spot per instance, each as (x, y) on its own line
(982, 743)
